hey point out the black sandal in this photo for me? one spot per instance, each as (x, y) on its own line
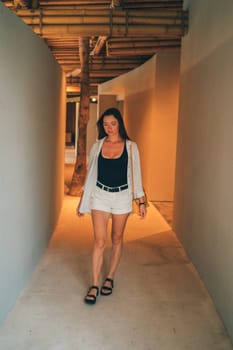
(91, 298)
(105, 290)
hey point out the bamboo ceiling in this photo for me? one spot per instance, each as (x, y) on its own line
(123, 34)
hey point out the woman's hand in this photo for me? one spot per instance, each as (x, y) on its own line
(78, 212)
(78, 208)
(142, 210)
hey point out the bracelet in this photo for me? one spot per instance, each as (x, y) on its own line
(142, 203)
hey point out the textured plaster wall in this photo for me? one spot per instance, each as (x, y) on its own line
(203, 190)
(32, 124)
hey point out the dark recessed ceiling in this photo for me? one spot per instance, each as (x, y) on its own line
(123, 34)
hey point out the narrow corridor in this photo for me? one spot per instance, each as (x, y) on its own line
(158, 303)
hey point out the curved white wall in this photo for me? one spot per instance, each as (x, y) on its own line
(32, 124)
(151, 95)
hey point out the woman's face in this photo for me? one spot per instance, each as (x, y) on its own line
(111, 125)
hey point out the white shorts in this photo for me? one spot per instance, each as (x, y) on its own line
(111, 202)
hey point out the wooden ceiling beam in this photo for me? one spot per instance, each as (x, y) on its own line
(115, 60)
(101, 4)
(105, 23)
(75, 88)
(111, 61)
(143, 51)
(140, 47)
(111, 45)
(100, 74)
(93, 67)
(75, 80)
(104, 14)
(105, 3)
(153, 4)
(72, 31)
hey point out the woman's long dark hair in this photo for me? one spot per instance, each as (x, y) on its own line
(116, 114)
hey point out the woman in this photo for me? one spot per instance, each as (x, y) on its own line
(108, 193)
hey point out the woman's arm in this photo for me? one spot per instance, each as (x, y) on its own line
(138, 188)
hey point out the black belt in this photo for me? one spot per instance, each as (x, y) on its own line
(112, 189)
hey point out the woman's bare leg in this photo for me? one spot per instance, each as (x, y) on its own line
(118, 226)
(100, 222)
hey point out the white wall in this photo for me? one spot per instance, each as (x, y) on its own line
(32, 129)
(204, 195)
(150, 112)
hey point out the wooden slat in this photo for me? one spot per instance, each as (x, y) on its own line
(101, 4)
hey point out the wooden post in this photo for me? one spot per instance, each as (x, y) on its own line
(80, 169)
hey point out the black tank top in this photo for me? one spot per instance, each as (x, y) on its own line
(112, 172)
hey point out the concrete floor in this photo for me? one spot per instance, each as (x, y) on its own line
(158, 303)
